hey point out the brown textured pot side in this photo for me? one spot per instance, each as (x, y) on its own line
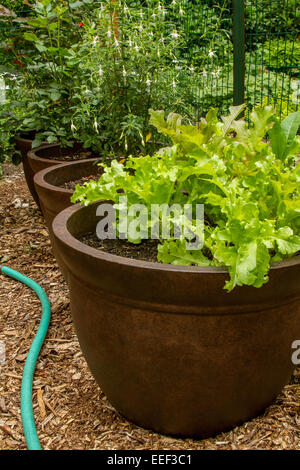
(168, 346)
(53, 198)
(25, 145)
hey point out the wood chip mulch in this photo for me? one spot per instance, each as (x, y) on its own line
(70, 410)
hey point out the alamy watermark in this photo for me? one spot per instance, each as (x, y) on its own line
(296, 354)
(158, 222)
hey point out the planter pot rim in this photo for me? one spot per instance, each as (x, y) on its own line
(39, 178)
(22, 139)
(32, 154)
(61, 231)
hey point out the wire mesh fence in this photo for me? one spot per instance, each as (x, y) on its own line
(273, 53)
(208, 27)
(272, 49)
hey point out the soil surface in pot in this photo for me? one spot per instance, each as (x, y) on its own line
(85, 179)
(70, 157)
(145, 251)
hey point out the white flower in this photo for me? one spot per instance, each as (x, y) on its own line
(148, 82)
(174, 84)
(211, 53)
(137, 48)
(181, 12)
(204, 73)
(117, 43)
(109, 33)
(95, 39)
(296, 92)
(216, 73)
(175, 34)
(100, 72)
(140, 28)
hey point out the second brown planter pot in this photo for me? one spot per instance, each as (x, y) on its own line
(53, 196)
(44, 157)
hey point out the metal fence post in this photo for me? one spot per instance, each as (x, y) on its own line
(238, 20)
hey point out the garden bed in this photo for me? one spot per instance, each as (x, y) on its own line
(70, 410)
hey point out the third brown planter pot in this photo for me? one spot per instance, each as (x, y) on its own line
(168, 346)
(24, 145)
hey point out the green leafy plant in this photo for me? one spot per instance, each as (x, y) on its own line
(99, 66)
(249, 187)
(282, 54)
(284, 105)
(44, 83)
(128, 60)
(274, 16)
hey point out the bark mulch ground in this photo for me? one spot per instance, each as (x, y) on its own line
(70, 410)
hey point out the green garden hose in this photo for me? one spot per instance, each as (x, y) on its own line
(31, 436)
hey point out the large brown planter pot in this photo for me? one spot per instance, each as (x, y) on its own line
(24, 144)
(53, 198)
(168, 346)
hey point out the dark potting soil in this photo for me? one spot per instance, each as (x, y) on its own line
(145, 251)
(71, 157)
(85, 179)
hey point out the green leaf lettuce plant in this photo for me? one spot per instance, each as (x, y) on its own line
(250, 189)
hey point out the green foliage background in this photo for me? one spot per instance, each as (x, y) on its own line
(202, 69)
